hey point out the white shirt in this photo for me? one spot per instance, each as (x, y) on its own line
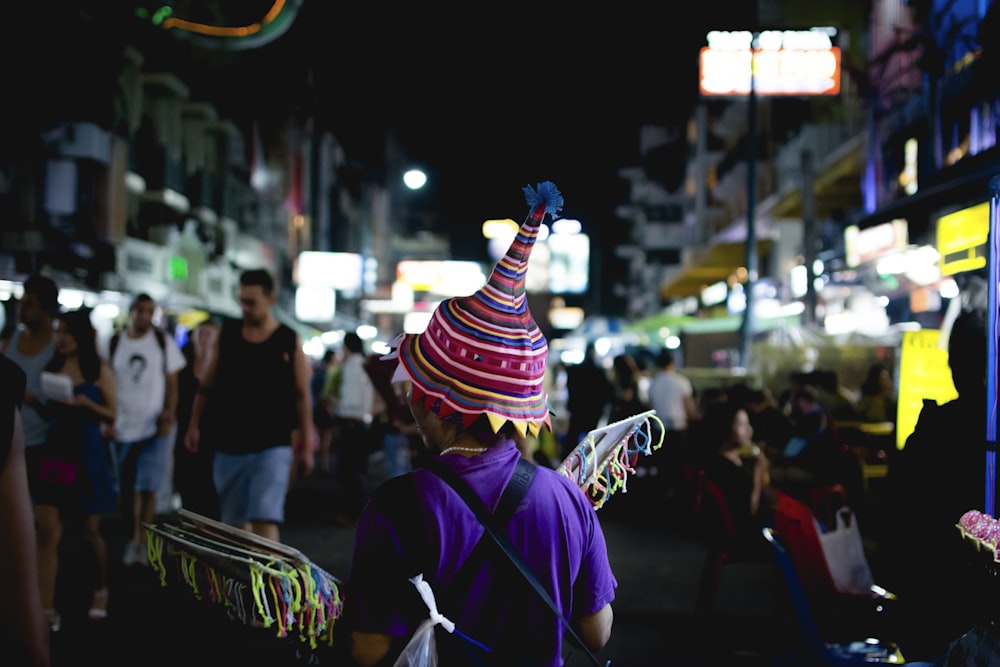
(357, 393)
(667, 390)
(140, 382)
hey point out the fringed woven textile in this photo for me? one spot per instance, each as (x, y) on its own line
(604, 459)
(256, 580)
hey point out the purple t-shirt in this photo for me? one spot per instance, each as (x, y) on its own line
(555, 528)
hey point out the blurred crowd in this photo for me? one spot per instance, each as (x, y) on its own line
(826, 446)
(814, 440)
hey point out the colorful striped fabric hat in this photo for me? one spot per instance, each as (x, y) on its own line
(484, 354)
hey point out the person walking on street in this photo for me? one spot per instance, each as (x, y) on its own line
(672, 396)
(76, 478)
(397, 430)
(193, 470)
(354, 417)
(476, 388)
(257, 387)
(322, 417)
(589, 392)
(31, 346)
(146, 362)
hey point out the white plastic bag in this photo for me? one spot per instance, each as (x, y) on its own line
(845, 555)
(421, 650)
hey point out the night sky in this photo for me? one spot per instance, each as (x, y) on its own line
(486, 97)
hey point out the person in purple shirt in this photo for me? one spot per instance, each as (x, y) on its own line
(475, 388)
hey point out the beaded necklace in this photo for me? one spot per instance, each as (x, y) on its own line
(471, 450)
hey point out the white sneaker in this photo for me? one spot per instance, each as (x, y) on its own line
(135, 554)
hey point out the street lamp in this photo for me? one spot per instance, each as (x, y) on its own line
(414, 179)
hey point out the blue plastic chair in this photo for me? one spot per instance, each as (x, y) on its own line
(813, 649)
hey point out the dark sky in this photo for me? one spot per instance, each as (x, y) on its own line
(487, 97)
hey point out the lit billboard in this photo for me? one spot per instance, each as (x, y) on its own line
(774, 62)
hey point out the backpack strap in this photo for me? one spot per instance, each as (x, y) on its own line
(396, 499)
(493, 529)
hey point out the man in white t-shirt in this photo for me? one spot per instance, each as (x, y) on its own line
(672, 396)
(146, 362)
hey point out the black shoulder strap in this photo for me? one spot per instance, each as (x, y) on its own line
(396, 500)
(523, 474)
(113, 346)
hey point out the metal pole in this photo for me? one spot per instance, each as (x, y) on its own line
(747, 327)
(809, 233)
(991, 350)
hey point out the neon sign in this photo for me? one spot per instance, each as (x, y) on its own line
(775, 62)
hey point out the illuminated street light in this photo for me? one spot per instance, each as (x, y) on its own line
(415, 179)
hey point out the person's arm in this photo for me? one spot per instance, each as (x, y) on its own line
(761, 480)
(168, 417)
(207, 381)
(107, 410)
(21, 608)
(303, 408)
(175, 361)
(595, 629)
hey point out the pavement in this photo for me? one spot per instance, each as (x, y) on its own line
(657, 566)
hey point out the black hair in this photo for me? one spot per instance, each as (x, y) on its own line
(45, 290)
(716, 424)
(352, 342)
(140, 298)
(872, 384)
(79, 326)
(665, 358)
(259, 277)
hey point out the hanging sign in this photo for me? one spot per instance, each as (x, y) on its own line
(776, 62)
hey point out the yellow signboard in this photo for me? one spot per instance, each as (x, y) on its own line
(961, 239)
(923, 374)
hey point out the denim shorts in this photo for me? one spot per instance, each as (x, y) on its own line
(152, 460)
(252, 487)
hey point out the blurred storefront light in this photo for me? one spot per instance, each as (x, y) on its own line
(315, 304)
(416, 322)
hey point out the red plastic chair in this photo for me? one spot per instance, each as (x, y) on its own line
(813, 645)
(714, 525)
(837, 612)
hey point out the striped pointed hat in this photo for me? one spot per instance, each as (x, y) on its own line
(484, 354)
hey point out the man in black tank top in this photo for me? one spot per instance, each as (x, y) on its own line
(257, 389)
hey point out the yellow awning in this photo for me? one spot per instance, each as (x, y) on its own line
(837, 184)
(713, 265)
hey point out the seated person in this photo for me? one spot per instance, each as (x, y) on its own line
(813, 459)
(771, 427)
(737, 467)
(878, 396)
